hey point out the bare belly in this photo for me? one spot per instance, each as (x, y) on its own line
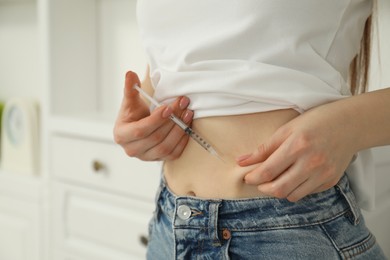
(198, 173)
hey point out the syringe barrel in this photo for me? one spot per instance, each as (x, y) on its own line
(198, 139)
(178, 122)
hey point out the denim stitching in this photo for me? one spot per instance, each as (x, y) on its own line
(354, 250)
(331, 239)
(355, 218)
(200, 244)
(359, 248)
(174, 231)
(276, 227)
(227, 246)
(215, 211)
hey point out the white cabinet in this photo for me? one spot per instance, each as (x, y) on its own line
(90, 201)
(21, 218)
(19, 225)
(101, 200)
(97, 225)
(21, 197)
(102, 165)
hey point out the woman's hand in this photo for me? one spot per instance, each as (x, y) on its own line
(150, 136)
(307, 155)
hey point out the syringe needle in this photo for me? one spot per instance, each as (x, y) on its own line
(188, 130)
(146, 95)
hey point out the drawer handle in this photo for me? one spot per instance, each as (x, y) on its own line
(97, 166)
(144, 240)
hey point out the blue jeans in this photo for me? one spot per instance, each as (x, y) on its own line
(326, 225)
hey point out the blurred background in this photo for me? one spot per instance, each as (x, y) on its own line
(66, 190)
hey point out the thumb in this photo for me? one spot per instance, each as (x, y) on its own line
(262, 152)
(133, 107)
(131, 94)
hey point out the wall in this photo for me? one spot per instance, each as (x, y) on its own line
(380, 78)
(19, 50)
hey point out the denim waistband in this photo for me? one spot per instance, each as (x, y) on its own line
(262, 213)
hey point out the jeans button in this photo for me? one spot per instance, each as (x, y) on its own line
(184, 212)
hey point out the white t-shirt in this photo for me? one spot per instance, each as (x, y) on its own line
(235, 57)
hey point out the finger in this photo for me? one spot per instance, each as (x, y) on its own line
(326, 186)
(133, 107)
(306, 188)
(169, 134)
(130, 80)
(152, 145)
(276, 164)
(284, 184)
(314, 184)
(167, 148)
(129, 132)
(262, 152)
(143, 148)
(168, 152)
(180, 105)
(186, 117)
(179, 148)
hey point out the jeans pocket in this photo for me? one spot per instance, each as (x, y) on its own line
(352, 241)
(362, 249)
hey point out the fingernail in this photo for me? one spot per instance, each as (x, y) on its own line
(243, 157)
(184, 102)
(167, 112)
(188, 116)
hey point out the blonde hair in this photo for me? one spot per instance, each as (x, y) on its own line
(360, 65)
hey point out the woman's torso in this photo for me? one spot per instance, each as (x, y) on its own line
(198, 173)
(239, 60)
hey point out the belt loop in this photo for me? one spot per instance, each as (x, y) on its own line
(213, 222)
(346, 192)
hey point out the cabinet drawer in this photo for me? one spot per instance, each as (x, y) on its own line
(104, 165)
(20, 229)
(97, 225)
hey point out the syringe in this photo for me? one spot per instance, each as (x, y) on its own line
(188, 130)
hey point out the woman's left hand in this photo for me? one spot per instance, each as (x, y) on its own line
(307, 155)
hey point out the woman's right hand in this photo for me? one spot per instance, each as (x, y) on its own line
(150, 136)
